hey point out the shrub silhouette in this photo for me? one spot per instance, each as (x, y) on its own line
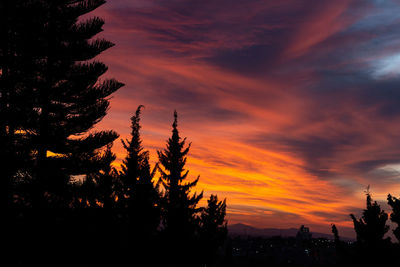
(370, 230)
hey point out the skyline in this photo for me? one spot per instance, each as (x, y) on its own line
(291, 110)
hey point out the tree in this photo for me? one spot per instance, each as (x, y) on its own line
(336, 238)
(213, 228)
(140, 196)
(370, 230)
(342, 257)
(106, 180)
(19, 20)
(179, 206)
(133, 162)
(50, 98)
(69, 98)
(394, 203)
(371, 227)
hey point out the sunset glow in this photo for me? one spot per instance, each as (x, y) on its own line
(292, 109)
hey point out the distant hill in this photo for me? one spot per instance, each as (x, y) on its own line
(243, 230)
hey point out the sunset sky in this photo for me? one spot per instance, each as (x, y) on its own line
(292, 107)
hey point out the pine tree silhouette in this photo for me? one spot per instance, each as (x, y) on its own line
(132, 164)
(50, 98)
(394, 203)
(16, 71)
(370, 230)
(335, 235)
(69, 98)
(106, 180)
(179, 206)
(342, 257)
(213, 228)
(139, 196)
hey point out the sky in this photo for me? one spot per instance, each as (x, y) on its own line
(292, 107)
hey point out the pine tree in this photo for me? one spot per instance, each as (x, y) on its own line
(394, 203)
(179, 216)
(140, 194)
(18, 21)
(213, 228)
(370, 230)
(342, 252)
(131, 165)
(50, 98)
(69, 98)
(106, 180)
(336, 238)
(371, 227)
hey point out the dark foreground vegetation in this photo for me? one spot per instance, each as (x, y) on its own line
(64, 204)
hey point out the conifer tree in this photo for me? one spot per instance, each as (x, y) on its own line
(50, 98)
(342, 254)
(336, 238)
(213, 228)
(106, 180)
(146, 200)
(371, 227)
(18, 21)
(370, 230)
(140, 194)
(131, 165)
(180, 207)
(394, 203)
(69, 98)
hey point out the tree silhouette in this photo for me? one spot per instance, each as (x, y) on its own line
(394, 203)
(106, 180)
(335, 235)
(50, 98)
(371, 227)
(139, 195)
(69, 98)
(213, 228)
(16, 72)
(370, 230)
(179, 206)
(133, 162)
(343, 252)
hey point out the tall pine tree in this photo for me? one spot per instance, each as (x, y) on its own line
(50, 98)
(140, 196)
(131, 165)
(180, 207)
(69, 97)
(20, 23)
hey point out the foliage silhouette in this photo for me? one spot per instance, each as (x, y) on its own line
(394, 203)
(50, 97)
(179, 207)
(64, 203)
(213, 228)
(69, 98)
(17, 66)
(344, 253)
(139, 196)
(370, 230)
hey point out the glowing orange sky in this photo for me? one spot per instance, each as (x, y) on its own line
(292, 110)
